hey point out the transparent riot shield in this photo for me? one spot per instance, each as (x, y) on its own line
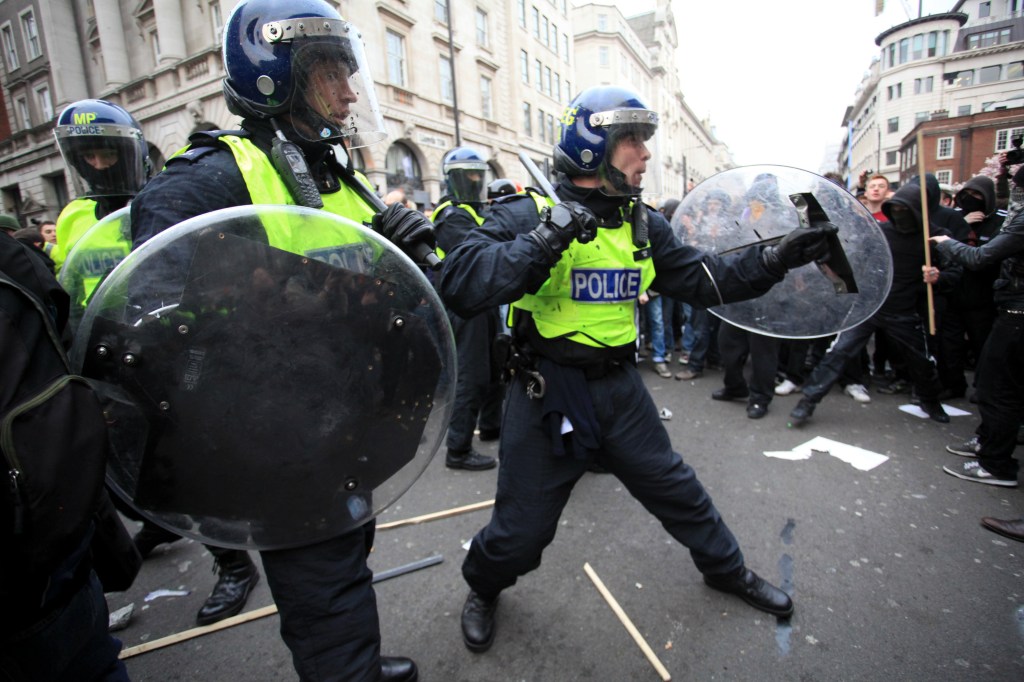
(272, 375)
(761, 204)
(91, 259)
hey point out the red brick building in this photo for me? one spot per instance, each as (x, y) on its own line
(956, 149)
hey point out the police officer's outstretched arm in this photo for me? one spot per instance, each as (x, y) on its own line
(803, 245)
(407, 229)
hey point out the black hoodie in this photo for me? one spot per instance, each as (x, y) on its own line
(908, 286)
(976, 288)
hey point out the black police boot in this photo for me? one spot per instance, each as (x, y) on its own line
(470, 461)
(933, 408)
(478, 622)
(398, 669)
(754, 590)
(150, 536)
(802, 412)
(237, 578)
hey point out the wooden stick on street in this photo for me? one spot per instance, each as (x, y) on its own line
(436, 515)
(630, 628)
(198, 632)
(925, 230)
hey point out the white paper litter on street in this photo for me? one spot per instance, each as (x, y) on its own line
(156, 594)
(858, 458)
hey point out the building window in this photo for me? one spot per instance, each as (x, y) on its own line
(890, 158)
(31, 33)
(486, 101)
(565, 48)
(535, 20)
(963, 110)
(568, 91)
(924, 85)
(964, 79)
(154, 44)
(441, 11)
(917, 47)
(602, 22)
(1004, 138)
(551, 129)
(396, 58)
(536, 74)
(527, 119)
(989, 74)
(402, 167)
(984, 9)
(894, 91)
(541, 130)
(988, 38)
(891, 61)
(547, 81)
(524, 66)
(904, 50)
(944, 177)
(44, 103)
(602, 57)
(521, 11)
(482, 34)
(556, 87)
(546, 33)
(554, 39)
(894, 125)
(24, 118)
(1014, 70)
(10, 51)
(921, 117)
(944, 148)
(447, 91)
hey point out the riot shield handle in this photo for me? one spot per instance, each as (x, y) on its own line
(836, 267)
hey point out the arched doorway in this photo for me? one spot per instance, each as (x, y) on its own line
(402, 167)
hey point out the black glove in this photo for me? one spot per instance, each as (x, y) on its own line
(409, 230)
(801, 246)
(561, 224)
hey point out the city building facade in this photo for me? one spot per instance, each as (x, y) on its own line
(497, 81)
(949, 66)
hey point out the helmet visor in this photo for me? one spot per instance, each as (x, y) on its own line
(103, 159)
(333, 96)
(466, 181)
(630, 163)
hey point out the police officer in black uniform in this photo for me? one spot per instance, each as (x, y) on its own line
(477, 393)
(296, 73)
(573, 273)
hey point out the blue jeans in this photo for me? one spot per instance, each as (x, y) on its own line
(697, 337)
(656, 328)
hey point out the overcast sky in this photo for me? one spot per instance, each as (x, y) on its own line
(776, 77)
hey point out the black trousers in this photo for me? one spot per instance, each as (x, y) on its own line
(904, 332)
(735, 345)
(964, 329)
(324, 595)
(478, 391)
(534, 485)
(1001, 395)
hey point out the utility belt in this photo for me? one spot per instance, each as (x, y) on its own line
(523, 351)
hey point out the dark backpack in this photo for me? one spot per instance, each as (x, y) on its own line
(53, 434)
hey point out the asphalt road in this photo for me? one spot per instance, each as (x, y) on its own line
(892, 576)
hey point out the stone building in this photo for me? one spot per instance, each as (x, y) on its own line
(499, 85)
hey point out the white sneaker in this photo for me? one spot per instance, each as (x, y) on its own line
(858, 393)
(786, 387)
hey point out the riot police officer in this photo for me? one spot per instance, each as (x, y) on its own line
(572, 274)
(304, 92)
(108, 160)
(478, 393)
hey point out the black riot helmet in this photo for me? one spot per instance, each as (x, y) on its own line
(103, 149)
(502, 187)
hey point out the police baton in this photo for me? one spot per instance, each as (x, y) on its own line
(422, 253)
(538, 177)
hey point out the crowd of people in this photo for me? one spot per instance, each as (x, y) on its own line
(542, 289)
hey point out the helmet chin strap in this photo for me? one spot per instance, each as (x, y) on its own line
(617, 179)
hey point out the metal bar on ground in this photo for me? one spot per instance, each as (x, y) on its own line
(263, 612)
(630, 628)
(436, 515)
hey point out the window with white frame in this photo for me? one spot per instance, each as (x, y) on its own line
(565, 48)
(547, 81)
(944, 177)
(154, 43)
(944, 148)
(447, 91)
(396, 58)
(537, 70)
(541, 129)
(527, 120)
(524, 66)
(10, 51)
(483, 37)
(602, 22)
(31, 34)
(44, 102)
(441, 11)
(486, 99)
(1004, 138)
(24, 117)
(603, 56)
(893, 124)
(545, 36)
(535, 21)
(216, 19)
(890, 158)
(521, 10)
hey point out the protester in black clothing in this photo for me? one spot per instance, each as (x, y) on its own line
(970, 311)
(899, 314)
(1000, 374)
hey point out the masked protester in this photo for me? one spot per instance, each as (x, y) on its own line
(1000, 372)
(899, 316)
(297, 75)
(572, 274)
(478, 392)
